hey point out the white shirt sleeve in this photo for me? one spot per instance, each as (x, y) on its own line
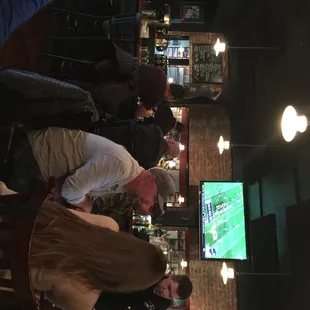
(99, 172)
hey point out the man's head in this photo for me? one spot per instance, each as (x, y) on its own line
(153, 187)
(151, 85)
(175, 92)
(173, 149)
(174, 287)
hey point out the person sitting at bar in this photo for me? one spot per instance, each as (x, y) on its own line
(74, 256)
(157, 297)
(145, 143)
(84, 166)
(120, 79)
(163, 118)
(175, 92)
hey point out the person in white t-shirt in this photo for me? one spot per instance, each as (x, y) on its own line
(85, 166)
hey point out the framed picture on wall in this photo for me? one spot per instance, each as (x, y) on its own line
(192, 12)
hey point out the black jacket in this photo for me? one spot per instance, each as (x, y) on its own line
(143, 300)
(145, 143)
(163, 118)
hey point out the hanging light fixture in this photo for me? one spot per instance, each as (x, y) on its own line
(219, 47)
(292, 123)
(223, 145)
(227, 273)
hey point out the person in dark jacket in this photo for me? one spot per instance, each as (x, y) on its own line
(121, 79)
(156, 297)
(145, 143)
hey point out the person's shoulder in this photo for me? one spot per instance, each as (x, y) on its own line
(149, 130)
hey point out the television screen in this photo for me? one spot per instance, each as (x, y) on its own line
(223, 230)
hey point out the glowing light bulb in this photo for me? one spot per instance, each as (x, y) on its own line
(227, 273)
(171, 164)
(292, 123)
(181, 199)
(219, 47)
(183, 264)
(223, 145)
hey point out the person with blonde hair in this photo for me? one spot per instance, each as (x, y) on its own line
(75, 256)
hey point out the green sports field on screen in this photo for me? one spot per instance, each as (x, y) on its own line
(223, 233)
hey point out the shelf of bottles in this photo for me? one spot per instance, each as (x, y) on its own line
(162, 62)
(145, 55)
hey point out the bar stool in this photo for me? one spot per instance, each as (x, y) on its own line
(18, 215)
(80, 25)
(86, 34)
(109, 7)
(123, 30)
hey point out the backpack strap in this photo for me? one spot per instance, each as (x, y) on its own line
(133, 134)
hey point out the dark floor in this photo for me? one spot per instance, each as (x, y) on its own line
(261, 85)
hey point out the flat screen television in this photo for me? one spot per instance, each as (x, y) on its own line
(222, 221)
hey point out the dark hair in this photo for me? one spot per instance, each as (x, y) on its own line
(185, 287)
(177, 91)
(151, 85)
(179, 127)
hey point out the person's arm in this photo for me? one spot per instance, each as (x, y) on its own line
(100, 172)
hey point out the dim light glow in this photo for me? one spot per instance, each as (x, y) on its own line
(169, 204)
(223, 145)
(171, 164)
(219, 47)
(182, 147)
(170, 80)
(292, 123)
(167, 19)
(227, 273)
